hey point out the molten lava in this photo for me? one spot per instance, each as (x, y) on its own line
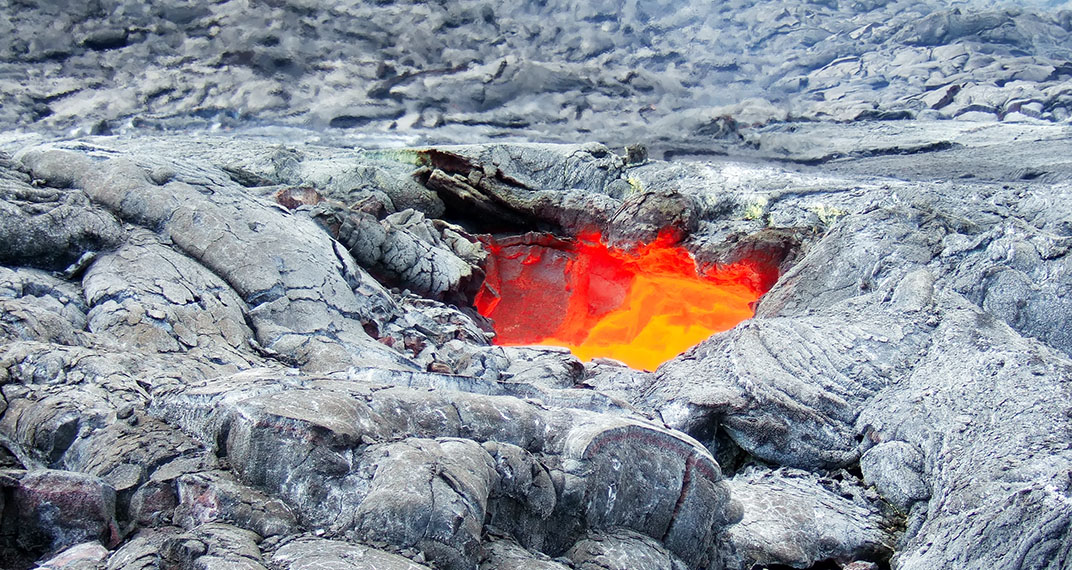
(642, 307)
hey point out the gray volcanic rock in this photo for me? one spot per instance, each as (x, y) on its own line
(210, 496)
(680, 75)
(88, 555)
(39, 306)
(316, 278)
(50, 228)
(213, 546)
(796, 519)
(506, 554)
(803, 411)
(619, 550)
(148, 297)
(541, 475)
(247, 384)
(310, 553)
(893, 309)
(143, 550)
(237, 325)
(976, 473)
(435, 260)
(572, 188)
(895, 468)
(59, 509)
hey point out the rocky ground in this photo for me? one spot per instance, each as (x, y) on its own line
(226, 352)
(238, 255)
(666, 71)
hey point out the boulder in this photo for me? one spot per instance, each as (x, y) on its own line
(85, 556)
(60, 509)
(212, 546)
(796, 519)
(309, 553)
(621, 550)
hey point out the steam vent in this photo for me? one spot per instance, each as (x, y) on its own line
(536, 285)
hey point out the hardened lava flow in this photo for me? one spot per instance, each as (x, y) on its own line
(642, 307)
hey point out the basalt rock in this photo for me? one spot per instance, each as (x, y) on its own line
(895, 313)
(432, 258)
(250, 370)
(214, 496)
(622, 549)
(212, 546)
(682, 77)
(40, 306)
(505, 554)
(309, 553)
(59, 509)
(328, 447)
(198, 225)
(796, 519)
(50, 227)
(85, 555)
(518, 186)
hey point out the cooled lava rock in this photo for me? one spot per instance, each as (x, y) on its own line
(245, 252)
(241, 389)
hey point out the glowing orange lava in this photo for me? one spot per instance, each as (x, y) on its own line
(642, 307)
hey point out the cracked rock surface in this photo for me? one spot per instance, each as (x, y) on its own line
(685, 75)
(237, 372)
(240, 244)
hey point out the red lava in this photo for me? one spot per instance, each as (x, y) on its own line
(641, 307)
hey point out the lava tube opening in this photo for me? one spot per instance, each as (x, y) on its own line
(642, 307)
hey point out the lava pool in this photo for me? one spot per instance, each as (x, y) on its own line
(641, 307)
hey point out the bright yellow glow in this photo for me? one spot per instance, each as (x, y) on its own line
(642, 307)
